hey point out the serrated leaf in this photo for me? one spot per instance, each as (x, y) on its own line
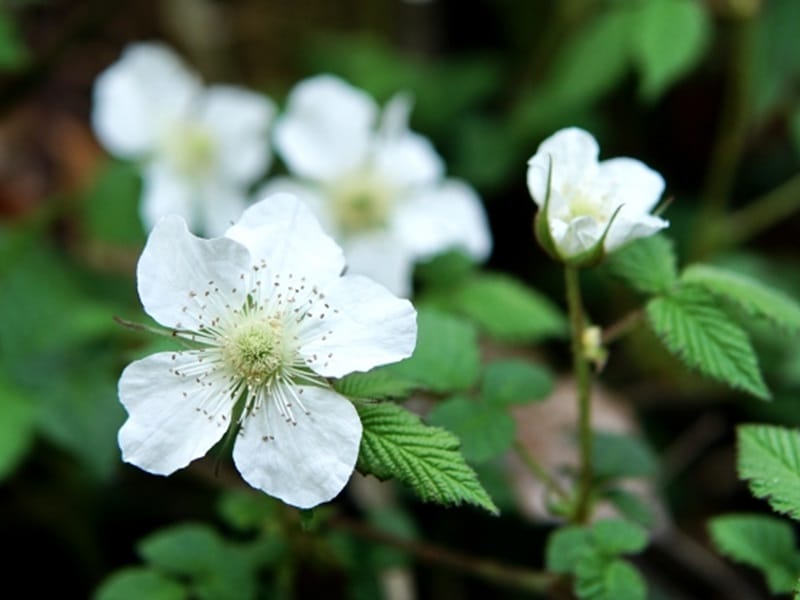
(137, 583)
(769, 457)
(377, 384)
(618, 536)
(598, 578)
(756, 298)
(695, 330)
(485, 431)
(508, 310)
(761, 542)
(648, 264)
(619, 455)
(565, 547)
(669, 37)
(514, 381)
(395, 443)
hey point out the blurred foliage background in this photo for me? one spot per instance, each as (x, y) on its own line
(707, 92)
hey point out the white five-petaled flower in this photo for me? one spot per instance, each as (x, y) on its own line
(588, 198)
(201, 147)
(377, 188)
(268, 317)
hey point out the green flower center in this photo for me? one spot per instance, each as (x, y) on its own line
(190, 148)
(361, 202)
(254, 350)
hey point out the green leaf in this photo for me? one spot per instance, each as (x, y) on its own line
(112, 205)
(565, 547)
(377, 384)
(138, 583)
(506, 309)
(13, 53)
(17, 426)
(769, 457)
(514, 381)
(618, 536)
(762, 542)
(695, 330)
(219, 570)
(631, 506)
(598, 578)
(446, 358)
(619, 455)
(395, 443)
(754, 297)
(485, 431)
(669, 38)
(446, 269)
(245, 510)
(648, 264)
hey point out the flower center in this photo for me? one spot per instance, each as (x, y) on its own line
(190, 148)
(254, 350)
(361, 202)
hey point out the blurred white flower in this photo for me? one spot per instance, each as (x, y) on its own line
(200, 147)
(267, 317)
(588, 197)
(377, 187)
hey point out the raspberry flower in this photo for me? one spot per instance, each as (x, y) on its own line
(377, 188)
(200, 148)
(589, 208)
(267, 317)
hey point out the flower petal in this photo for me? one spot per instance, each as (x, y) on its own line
(306, 463)
(136, 96)
(309, 194)
(166, 193)
(240, 121)
(173, 418)
(630, 182)
(358, 325)
(627, 228)
(283, 231)
(383, 257)
(576, 236)
(447, 217)
(222, 205)
(408, 160)
(573, 152)
(326, 129)
(186, 282)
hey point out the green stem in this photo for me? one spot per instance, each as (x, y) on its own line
(539, 471)
(583, 381)
(764, 212)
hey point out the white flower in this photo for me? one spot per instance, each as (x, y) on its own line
(268, 317)
(585, 194)
(201, 148)
(377, 187)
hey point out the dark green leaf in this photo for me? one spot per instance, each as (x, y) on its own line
(140, 583)
(565, 547)
(648, 264)
(619, 455)
(514, 381)
(17, 425)
(485, 431)
(618, 536)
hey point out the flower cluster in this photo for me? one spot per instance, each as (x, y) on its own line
(267, 317)
(200, 147)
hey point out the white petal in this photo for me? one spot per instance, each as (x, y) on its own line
(303, 464)
(573, 153)
(138, 95)
(167, 193)
(630, 182)
(625, 229)
(222, 205)
(447, 217)
(326, 129)
(395, 117)
(408, 160)
(240, 120)
(381, 256)
(172, 419)
(576, 236)
(363, 326)
(284, 232)
(184, 282)
(309, 194)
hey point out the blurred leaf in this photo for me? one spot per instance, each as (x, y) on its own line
(446, 358)
(486, 151)
(396, 522)
(514, 381)
(769, 458)
(395, 443)
(447, 269)
(620, 455)
(598, 578)
(669, 38)
(139, 583)
(777, 54)
(648, 264)
(762, 542)
(631, 506)
(695, 330)
(112, 205)
(13, 53)
(245, 510)
(756, 298)
(618, 536)
(565, 547)
(485, 430)
(17, 426)
(794, 127)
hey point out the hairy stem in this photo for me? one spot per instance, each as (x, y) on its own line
(583, 381)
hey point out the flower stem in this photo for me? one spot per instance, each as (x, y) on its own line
(580, 368)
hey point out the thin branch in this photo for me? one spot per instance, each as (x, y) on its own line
(623, 326)
(539, 471)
